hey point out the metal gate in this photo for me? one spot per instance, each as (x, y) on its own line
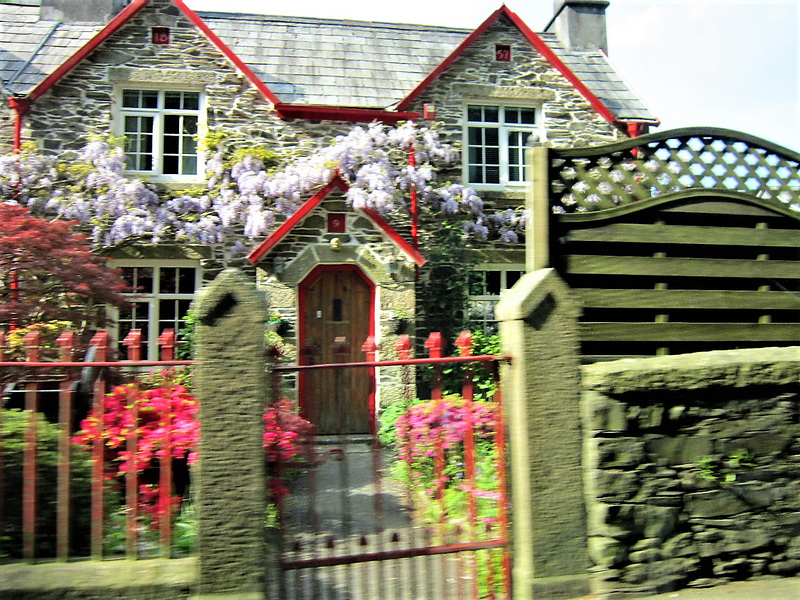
(424, 516)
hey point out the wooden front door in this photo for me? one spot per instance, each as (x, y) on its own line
(336, 301)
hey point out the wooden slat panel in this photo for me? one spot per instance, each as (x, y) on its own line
(720, 208)
(681, 267)
(689, 332)
(688, 299)
(679, 234)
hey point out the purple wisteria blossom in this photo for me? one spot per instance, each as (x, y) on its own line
(246, 198)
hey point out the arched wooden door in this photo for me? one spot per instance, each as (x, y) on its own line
(336, 301)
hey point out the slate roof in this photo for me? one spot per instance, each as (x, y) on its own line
(597, 72)
(339, 63)
(303, 60)
(31, 49)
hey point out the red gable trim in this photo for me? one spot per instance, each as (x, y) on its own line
(334, 113)
(535, 41)
(120, 20)
(113, 26)
(336, 182)
(545, 51)
(413, 254)
(214, 38)
(277, 235)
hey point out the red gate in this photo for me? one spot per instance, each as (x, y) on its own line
(419, 511)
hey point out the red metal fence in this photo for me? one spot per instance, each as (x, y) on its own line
(50, 387)
(416, 520)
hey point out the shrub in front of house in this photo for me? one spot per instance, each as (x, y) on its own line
(12, 442)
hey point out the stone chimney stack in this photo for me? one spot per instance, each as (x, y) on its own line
(80, 11)
(581, 24)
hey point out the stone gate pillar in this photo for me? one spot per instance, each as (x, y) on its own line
(230, 485)
(538, 328)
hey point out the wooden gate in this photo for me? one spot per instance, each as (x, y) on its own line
(419, 513)
(680, 241)
(336, 302)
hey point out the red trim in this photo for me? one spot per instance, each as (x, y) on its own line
(113, 26)
(214, 38)
(301, 326)
(20, 106)
(413, 254)
(336, 182)
(335, 113)
(120, 20)
(302, 213)
(412, 162)
(537, 43)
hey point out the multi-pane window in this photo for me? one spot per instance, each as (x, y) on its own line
(161, 297)
(496, 138)
(160, 129)
(485, 286)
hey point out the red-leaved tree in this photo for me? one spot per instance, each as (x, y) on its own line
(48, 273)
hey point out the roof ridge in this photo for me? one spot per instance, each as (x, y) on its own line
(313, 20)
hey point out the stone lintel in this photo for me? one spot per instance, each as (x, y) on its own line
(161, 76)
(502, 92)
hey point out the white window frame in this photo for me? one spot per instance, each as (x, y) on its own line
(158, 114)
(504, 129)
(504, 269)
(151, 352)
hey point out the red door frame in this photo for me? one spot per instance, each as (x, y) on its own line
(301, 305)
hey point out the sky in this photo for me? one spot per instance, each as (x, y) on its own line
(733, 64)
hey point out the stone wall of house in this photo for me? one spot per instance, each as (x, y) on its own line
(692, 469)
(476, 76)
(81, 104)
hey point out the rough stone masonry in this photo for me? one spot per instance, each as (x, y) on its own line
(691, 469)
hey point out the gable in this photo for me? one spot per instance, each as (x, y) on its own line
(311, 224)
(535, 42)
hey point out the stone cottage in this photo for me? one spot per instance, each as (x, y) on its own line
(162, 76)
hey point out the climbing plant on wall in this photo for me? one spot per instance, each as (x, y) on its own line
(246, 192)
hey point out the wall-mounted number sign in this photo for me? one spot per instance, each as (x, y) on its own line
(161, 35)
(502, 52)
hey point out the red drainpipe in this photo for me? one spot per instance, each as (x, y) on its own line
(20, 106)
(412, 162)
(634, 129)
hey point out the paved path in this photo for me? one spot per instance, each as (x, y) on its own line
(335, 513)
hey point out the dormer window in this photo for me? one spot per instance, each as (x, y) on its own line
(496, 138)
(160, 129)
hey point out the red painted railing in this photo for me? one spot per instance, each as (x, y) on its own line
(32, 375)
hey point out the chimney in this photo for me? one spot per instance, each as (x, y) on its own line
(80, 11)
(581, 24)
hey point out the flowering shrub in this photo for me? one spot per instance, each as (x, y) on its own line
(244, 193)
(285, 433)
(166, 426)
(434, 431)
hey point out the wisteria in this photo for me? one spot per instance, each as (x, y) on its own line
(245, 197)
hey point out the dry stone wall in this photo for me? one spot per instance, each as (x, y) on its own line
(692, 469)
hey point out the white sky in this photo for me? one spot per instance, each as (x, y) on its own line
(733, 64)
